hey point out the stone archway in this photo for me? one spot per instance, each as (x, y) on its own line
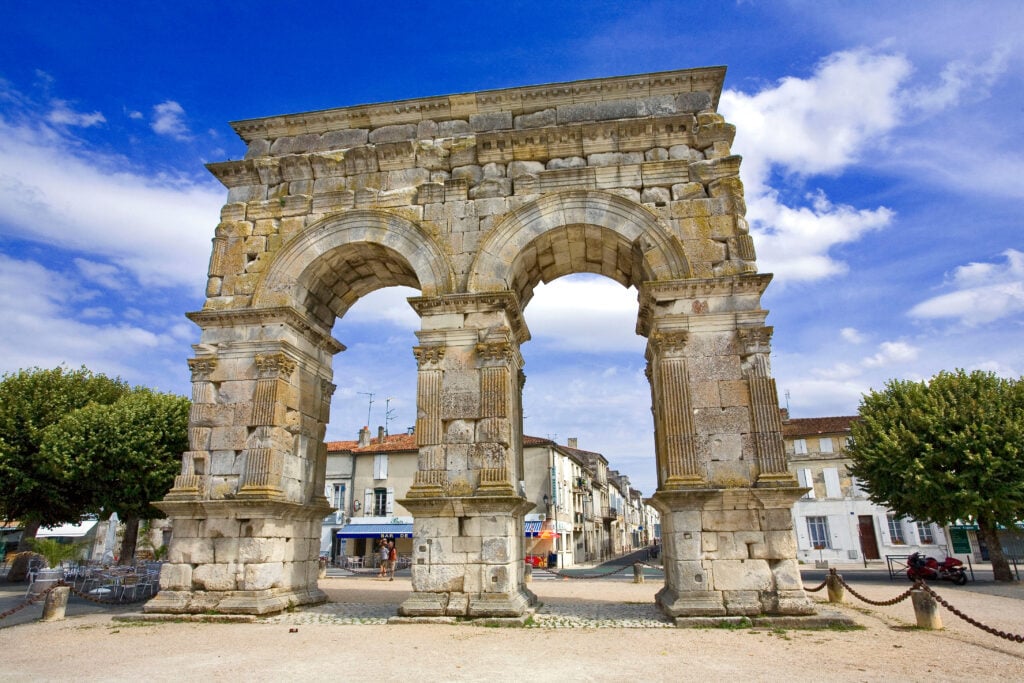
(474, 199)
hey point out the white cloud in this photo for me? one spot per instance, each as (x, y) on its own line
(586, 313)
(43, 328)
(852, 335)
(983, 292)
(957, 77)
(51, 191)
(136, 115)
(169, 119)
(62, 115)
(818, 125)
(891, 353)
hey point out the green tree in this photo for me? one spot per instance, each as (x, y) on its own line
(123, 456)
(946, 449)
(33, 488)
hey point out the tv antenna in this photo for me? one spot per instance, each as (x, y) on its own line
(369, 407)
(787, 400)
(389, 413)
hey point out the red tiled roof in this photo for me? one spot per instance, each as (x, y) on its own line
(391, 444)
(807, 426)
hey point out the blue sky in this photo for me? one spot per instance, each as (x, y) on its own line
(883, 165)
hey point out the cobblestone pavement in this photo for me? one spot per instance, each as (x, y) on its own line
(550, 615)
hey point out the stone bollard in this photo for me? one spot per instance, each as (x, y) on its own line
(926, 610)
(56, 603)
(638, 572)
(834, 585)
(527, 573)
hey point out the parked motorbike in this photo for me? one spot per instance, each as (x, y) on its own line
(928, 568)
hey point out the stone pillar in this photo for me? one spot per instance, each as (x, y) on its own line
(248, 505)
(468, 530)
(724, 493)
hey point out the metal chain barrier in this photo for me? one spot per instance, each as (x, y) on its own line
(973, 622)
(880, 603)
(31, 600)
(819, 586)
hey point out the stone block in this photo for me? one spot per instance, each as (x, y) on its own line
(729, 520)
(495, 550)
(518, 169)
(447, 129)
(470, 175)
(214, 577)
(342, 139)
(175, 576)
(190, 550)
(693, 102)
(499, 120)
(780, 544)
(732, 575)
(657, 105)
(742, 603)
(655, 195)
(298, 144)
(437, 578)
(426, 129)
(257, 148)
(459, 431)
(545, 117)
(786, 574)
(597, 111)
(263, 576)
(491, 188)
(771, 520)
(398, 133)
(567, 162)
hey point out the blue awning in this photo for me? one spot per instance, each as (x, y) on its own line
(532, 528)
(376, 531)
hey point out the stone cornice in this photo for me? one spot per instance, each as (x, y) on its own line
(522, 100)
(476, 303)
(264, 316)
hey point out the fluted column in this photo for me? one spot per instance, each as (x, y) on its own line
(263, 459)
(678, 461)
(755, 347)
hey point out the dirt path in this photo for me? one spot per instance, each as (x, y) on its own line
(92, 647)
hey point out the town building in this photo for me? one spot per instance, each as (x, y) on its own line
(834, 521)
(583, 512)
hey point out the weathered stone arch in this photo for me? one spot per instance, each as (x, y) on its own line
(474, 199)
(608, 234)
(328, 266)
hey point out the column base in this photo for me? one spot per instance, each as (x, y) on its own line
(471, 606)
(232, 602)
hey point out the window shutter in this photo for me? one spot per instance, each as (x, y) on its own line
(804, 475)
(328, 490)
(832, 489)
(380, 466)
(802, 541)
(825, 445)
(391, 501)
(368, 503)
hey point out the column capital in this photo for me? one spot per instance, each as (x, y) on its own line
(489, 302)
(274, 365)
(427, 356)
(202, 367)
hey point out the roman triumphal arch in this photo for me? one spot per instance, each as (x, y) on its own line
(473, 200)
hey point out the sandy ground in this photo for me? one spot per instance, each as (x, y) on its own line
(888, 647)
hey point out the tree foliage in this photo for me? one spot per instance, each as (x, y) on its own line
(122, 456)
(946, 449)
(34, 488)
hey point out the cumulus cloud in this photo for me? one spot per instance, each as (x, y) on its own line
(852, 335)
(61, 114)
(891, 353)
(982, 292)
(584, 313)
(55, 192)
(169, 120)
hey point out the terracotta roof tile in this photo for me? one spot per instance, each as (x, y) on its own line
(391, 444)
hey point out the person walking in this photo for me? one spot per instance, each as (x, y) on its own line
(383, 553)
(392, 559)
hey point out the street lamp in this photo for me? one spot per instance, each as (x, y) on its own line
(554, 537)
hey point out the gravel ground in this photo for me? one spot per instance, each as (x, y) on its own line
(586, 631)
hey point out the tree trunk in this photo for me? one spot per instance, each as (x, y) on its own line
(130, 540)
(1000, 565)
(19, 567)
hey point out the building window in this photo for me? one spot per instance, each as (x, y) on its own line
(800, 446)
(825, 445)
(924, 533)
(338, 497)
(817, 529)
(380, 466)
(380, 502)
(896, 530)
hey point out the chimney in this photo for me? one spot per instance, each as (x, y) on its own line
(364, 437)
(380, 435)
(784, 414)
(572, 441)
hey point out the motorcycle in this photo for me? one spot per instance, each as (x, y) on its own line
(928, 568)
